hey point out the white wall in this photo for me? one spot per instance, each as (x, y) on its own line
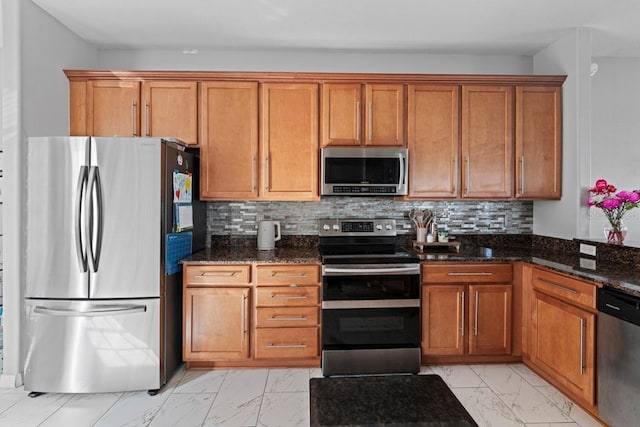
(571, 55)
(313, 60)
(35, 102)
(615, 132)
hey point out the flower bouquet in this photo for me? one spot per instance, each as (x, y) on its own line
(614, 205)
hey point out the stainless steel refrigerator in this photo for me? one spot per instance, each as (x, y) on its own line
(103, 295)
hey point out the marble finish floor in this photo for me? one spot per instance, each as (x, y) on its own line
(494, 395)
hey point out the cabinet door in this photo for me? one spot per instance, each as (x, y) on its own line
(170, 109)
(229, 140)
(384, 114)
(216, 325)
(487, 141)
(341, 114)
(562, 345)
(443, 319)
(289, 168)
(490, 319)
(432, 138)
(113, 108)
(538, 142)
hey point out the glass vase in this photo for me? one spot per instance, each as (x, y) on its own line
(615, 233)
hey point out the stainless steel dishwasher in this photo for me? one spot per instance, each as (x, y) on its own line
(618, 357)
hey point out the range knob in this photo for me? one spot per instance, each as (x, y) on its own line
(336, 227)
(388, 227)
(326, 227)
(378, 226)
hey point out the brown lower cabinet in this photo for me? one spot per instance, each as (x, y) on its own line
(216, 307)
(216, 326)
(466, 310)
(251, 315)
(561, 333)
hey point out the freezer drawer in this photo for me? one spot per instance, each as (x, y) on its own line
(92, 346)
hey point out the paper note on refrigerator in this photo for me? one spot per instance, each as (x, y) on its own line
(182, 187)
(183, 216)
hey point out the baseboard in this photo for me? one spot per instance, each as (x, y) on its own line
(11, 381)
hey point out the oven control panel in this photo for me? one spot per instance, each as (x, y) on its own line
(357, 227)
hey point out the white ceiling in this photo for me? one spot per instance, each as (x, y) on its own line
(432, 26)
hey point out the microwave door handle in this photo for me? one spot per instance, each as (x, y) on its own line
(402, 168)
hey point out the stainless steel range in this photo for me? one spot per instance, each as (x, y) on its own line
(370, 299)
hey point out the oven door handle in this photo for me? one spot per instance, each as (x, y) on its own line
(341, 271)
(370, 304)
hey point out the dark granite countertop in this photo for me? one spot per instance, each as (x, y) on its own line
(622, 276)
(243, 255)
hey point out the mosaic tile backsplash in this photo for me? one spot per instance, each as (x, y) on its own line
(300, 218)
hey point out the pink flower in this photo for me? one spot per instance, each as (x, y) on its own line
(610, 203)
(628, 196)
(601, 184)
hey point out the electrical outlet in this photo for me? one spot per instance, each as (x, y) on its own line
(588, 263)
(587, 249)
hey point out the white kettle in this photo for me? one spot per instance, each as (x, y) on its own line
(268, 235)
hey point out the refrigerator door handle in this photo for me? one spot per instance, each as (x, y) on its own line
(96, 212)
(104, 310)
(81, 250)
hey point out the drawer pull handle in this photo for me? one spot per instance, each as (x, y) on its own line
(302, 345)
(219, 274)
(471, 273)
(287, 318)
(288, 296)
(549, 282)
(582, 325)
(285, 274)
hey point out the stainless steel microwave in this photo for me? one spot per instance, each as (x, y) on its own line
(364, 171)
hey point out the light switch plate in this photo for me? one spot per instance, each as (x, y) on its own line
(587, 249)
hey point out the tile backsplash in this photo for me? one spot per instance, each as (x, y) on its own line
(300, 218)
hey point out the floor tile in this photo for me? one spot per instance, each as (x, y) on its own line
(527, 403)
(288, 380)
(458, 375)
(200, 381)
(565, 404)
(529, 376)
(29, 411)
(284, 410)
(239, 399)
(486, 408)
(135, 408)
(82, 410)
(495, 395)
(183, 410)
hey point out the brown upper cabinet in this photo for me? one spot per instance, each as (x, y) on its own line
(112, 108)
(492, 137)
(487, 142)
(229, 140)
(134, 108)
(433, 140)
(289, 141)
(348, 120)
(170, 108)
(538, 149)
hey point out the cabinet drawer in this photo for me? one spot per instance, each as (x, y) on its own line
(466, 273)
(284, 317)
(564, 287)
(216, 274)
(275, 343)
(287, 296)
(288, 274)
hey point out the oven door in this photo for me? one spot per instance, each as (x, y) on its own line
(370, 325)
(365, 282)
(370, 306)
